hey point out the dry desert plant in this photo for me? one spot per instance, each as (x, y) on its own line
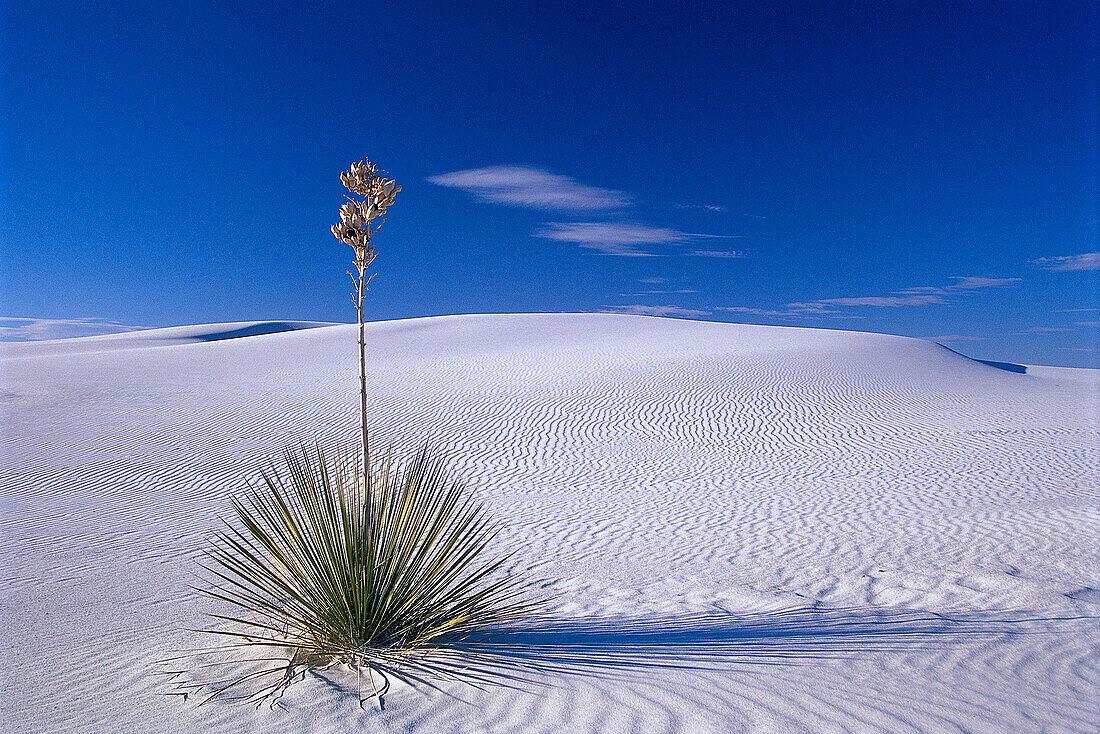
(357, 229)
(326, 569)
(382, 569)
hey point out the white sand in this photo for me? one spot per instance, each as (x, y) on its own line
(782, 513)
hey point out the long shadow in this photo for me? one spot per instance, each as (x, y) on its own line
(721, 640)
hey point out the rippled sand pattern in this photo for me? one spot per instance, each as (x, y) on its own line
(745, 528)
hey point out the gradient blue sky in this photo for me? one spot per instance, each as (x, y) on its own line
(926, 169)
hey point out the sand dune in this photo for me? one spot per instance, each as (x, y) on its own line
(746, 528)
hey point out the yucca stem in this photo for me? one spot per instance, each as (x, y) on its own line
(362, 373)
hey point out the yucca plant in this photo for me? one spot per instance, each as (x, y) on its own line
(382, 568)
(377, 576)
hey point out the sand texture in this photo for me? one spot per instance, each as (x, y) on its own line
(744, 528)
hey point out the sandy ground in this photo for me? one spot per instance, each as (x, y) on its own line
(744, 528)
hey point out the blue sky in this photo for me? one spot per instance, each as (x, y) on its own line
(921, 169)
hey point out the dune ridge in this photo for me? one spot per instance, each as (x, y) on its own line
(880, 533)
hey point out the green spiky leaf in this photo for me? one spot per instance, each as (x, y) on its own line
(376, 571)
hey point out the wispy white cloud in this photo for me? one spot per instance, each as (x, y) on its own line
(962, 283)
(914, 296)
(537, 188)
(932, 290)
(1084, 261)
(29, 330)
(1086, 323)
(652, 281)
(703, 207)
(638, 309)
(616, 238)
(654, 293)
(717, 253)
(956, 338)
(880, 301)
(792, 310)
(534, 188)
(973, 282)
(752, 311)
(906, 297)
(1048, 329)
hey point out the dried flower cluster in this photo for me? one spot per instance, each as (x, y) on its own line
(355, 227)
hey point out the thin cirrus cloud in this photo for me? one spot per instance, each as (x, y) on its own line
(973, 282)
(717, 253)
(29, 329)
(962, 283)
(638, 309)
(537, 188)
(880, 301)
(534, 188)
(914, 296)
(617, 238)
(792, 310)
(702, 207)
(1084, 261)
(957, 338)
(917, 296)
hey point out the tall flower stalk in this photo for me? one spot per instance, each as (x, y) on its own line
(357, 229)
(385, 571)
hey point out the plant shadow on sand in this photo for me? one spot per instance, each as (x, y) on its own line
(719, 640)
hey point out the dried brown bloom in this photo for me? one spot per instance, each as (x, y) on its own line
(350, 235)
(364, 179)
(355, 228)
(349, 214)
(360, 177)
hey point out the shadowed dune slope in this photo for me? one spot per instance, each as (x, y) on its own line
(155, 337)
(745, 528)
